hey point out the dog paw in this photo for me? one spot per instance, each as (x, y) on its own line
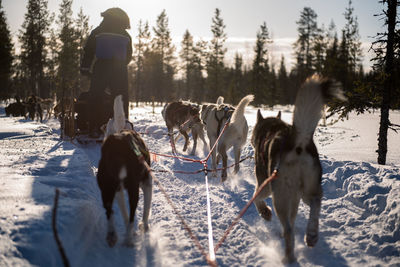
(143, 227)
(112, 238)
(311, 239)
(223, 178)
(236, 169)
(224, 175)
(266, 213)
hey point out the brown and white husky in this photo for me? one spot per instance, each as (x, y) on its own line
(291, 151)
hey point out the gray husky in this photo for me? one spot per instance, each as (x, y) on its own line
(291, 151)
(214, 116)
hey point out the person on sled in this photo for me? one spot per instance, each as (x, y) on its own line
(107, 53)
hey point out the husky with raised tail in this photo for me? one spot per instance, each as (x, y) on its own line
(214, 116)
(291, 151)
(119, 121)
(124, 165)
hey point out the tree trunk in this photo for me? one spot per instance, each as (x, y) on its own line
(388, 83)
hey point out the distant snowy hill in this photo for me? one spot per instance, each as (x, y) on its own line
(359, 222)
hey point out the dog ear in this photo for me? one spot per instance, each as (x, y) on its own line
(259, 116)
(279, 115)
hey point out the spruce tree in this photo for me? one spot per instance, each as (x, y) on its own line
(187, 55)
(53, 49)
(199, 62)
(164, 53)
(319, 48)
(82, 31)
(215, 62)
(6, 56)
(141, 49)
(385, 48)
(331, 64)
(283, 90)
(308, 29)
(32, 38)
(68, 57)
(353, 43)
(350, 54)
(236, 88)
(347, 70)
(261, 71)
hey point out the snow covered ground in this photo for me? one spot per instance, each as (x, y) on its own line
(359, 223)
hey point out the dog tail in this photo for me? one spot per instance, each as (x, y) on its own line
(310, 100)
(220, 100)
(239, 111)
(119, 114)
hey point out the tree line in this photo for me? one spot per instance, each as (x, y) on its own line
(48, 58)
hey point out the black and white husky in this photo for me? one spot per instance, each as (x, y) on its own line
(124, 165)
(291, 151)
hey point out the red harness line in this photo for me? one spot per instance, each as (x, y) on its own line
(177, 157)
(180, 172)
(199, 170)
(192, 117)
(273, 176)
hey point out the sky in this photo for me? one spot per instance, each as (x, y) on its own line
(242, 19)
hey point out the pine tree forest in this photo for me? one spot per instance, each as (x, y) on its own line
(47, 62)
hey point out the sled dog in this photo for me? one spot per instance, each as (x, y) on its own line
(34, 108)
(124, 165)
(183, 115)
(291, 151)
(214, 117)
(16, 109)
(119, 121)
(48, 105)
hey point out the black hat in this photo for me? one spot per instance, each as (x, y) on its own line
(118, 15)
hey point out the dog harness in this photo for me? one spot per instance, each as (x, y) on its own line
(263, 147)
(140, 152)
(226, 115)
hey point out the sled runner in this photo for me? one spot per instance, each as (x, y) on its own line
(85, 139)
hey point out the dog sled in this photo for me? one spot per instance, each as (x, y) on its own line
(75, 120)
